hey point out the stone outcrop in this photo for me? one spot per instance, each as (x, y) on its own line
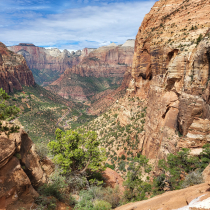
(41, 58)
(171, 73)
(113, 179)
(105, 62)
(14, 72)
(21, 170)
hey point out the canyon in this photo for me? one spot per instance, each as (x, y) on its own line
(41, 58)
(101, 69)
(166, 106)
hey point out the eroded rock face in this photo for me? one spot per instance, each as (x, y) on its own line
(14, 185)
(171, 72)
(20, 170)
(14, 71)
(113, 179)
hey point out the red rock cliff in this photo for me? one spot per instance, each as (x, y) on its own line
(41, 58)
(14, 71)
(171, 72)
(109, 61)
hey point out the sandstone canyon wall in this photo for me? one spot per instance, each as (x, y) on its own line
(104, 66)
(14, 71)
(171, 74)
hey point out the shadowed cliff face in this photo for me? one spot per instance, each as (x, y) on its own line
(100, 70)
(14, 71)
(171, 72)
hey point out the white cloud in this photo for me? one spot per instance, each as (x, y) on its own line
(90, 26)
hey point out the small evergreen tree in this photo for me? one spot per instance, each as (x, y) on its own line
(136, 188)
(77, 152)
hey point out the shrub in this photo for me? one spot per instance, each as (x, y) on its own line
(55, 187)
(76, 151)
(136, 188)
(98, 198)
(45, 203)
(102, 205)
(41, 150)
(199, 39)
(112, 195)
(50, 190)
(85, 201)
(183, 163)
(193, 178)
(123, 157)
(76, 182)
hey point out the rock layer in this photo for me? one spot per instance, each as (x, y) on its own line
(108, 61)
(171, 72)
(14, 71)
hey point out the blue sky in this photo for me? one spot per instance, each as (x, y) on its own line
(71, 24)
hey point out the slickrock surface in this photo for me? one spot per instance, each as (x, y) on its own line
(14, 71)
(21, 171)
(41, 58)
(171, 73)
(105, 62)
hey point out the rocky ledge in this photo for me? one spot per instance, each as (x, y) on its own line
(21, 171)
